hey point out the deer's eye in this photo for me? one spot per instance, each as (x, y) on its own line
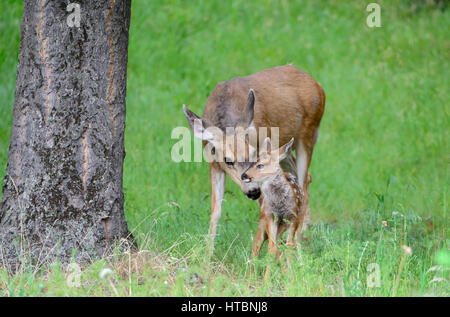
(259, 166)
(229, 161)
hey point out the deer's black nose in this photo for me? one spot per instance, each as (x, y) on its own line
(244, 177)
(254, 194)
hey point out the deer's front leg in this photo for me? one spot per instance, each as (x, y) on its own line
(217, 176)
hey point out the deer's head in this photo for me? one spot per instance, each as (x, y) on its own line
(233, 148)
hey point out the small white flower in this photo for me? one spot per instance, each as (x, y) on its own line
(434, 268)
(105, 272)
(437, 279)
(407, 249)
(174, 203)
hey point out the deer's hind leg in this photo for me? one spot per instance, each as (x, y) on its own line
(304, 152)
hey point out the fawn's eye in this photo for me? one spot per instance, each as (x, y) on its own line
(229, 161)
(259, 166)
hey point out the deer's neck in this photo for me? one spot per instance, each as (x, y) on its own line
(278, 195)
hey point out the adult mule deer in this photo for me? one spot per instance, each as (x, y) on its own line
(284, 97)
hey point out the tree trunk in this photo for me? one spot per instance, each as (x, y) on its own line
(62, 196)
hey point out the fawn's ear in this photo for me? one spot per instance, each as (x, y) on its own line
(285, 149)
(197, 126)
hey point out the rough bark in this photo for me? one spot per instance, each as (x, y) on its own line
(62, 194)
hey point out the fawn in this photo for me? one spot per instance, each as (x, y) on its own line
(281, 195)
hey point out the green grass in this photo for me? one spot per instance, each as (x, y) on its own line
(382, 153)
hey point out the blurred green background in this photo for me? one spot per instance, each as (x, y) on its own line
(383, 145)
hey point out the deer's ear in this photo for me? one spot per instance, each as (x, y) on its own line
(266, 146)
(251, 136)
(196, 125)
(285, 149)
(249, 110)
(190, 116)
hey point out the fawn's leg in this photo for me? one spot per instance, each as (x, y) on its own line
(260, 235)
(293, 228)
(271, 228)
(291, 241)
(282, 226)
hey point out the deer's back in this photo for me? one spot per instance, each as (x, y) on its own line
(286, 97)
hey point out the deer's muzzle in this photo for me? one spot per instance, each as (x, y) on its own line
(254, 194)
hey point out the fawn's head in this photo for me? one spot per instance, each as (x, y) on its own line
(268, 163)
(233, 148)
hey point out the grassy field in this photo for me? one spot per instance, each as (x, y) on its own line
(382, 154)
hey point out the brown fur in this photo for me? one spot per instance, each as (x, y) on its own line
(284, 97)
(281, 195)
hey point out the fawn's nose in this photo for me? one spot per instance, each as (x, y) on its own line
(245, 178)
